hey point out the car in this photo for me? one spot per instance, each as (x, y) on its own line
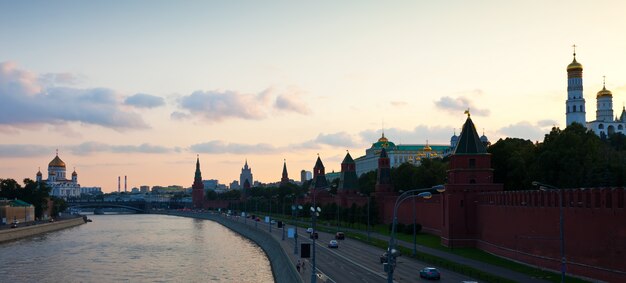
(309, 230)
(14, 224)
(273, 222)
(340, 236)
(430, 273)
(333, 244)
(314, 235)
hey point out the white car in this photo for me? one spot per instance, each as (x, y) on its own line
(309, 230)
(333, 244)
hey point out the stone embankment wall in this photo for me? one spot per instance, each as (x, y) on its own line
(282, 268)
(27, 231)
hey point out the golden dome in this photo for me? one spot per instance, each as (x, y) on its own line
(74, 173)
(574, 65)
(56, 162)
(383, 138)
(427, 148)
(604, 93)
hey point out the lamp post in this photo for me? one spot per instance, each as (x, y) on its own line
(545, 187)
(314, 213)
(294, 213)
(414, 231)
(368, 215)
(391, 251)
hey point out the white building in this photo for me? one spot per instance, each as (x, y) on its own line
(403, 153)
(57, 181)
(90, 190)
(575, 111)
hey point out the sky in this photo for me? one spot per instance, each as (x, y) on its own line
(141, 88)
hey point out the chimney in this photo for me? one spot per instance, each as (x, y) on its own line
(125, 183)
(118, 184)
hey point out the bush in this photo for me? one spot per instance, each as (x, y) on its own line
(408, 229)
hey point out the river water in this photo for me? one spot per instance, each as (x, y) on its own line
(136, 248)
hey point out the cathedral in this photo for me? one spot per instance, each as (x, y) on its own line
(605, 123)
(60, 186)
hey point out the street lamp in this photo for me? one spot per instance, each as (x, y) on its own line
(391, 251)
(545, 187)
(294, 212)
(314, 213)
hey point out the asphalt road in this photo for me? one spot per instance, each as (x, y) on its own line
(353, 261)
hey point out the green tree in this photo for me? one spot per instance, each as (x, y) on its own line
(511, 159)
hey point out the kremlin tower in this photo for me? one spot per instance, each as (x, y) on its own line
(197, 189)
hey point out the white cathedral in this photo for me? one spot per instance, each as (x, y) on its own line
(605, 123)
(60, 186)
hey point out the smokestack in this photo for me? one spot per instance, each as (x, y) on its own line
(125, 183)
(118, 183)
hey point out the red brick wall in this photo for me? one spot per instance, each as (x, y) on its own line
(525, 226)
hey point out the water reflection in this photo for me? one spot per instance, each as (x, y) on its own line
(136, 248)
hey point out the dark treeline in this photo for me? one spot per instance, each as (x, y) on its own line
(570, 158)
(32, 192)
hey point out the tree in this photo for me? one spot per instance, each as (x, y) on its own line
(511, 159)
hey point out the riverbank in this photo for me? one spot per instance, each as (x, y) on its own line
(282, 268)
(32, 230)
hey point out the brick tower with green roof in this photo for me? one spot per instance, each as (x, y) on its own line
(469, 173)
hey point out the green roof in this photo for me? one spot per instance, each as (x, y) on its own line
(18, 202)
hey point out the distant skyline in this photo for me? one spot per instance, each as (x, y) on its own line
(139, 88)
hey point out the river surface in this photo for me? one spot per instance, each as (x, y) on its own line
(136, 248)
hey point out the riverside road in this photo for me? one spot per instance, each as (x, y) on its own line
(353, 261)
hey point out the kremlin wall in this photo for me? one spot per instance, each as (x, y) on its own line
(523, 226)
(475, 212)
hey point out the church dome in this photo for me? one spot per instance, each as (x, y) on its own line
(383, 142)
(427, 148)
(39, 173)
(574, 65)
(74, 173)
(604, 93)
(484, 139)
(56, 162)
(383, 139)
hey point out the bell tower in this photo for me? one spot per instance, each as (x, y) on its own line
(575, 103)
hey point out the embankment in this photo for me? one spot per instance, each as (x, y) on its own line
(282, 268)
(28, 231)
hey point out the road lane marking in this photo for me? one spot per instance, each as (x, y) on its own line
(351, 261)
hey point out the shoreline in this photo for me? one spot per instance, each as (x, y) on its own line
(13, 234)
(282, 268)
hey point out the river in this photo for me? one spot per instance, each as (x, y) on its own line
(136, 248)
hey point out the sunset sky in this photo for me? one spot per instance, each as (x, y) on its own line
(139, 88)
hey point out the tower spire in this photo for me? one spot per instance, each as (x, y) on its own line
(574, 47)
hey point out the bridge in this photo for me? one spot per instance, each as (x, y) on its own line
(139, 206)
(136, 206)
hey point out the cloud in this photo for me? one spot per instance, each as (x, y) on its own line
(525, 130)
(547, 123)
(142, 100)
(419, 135)
(52, 79)
(179, 115)
(460, 104)
(24, 150)
(399, 103)
(341, 139)
(237, 148)
(25, 102)
(290, 101)
(217, 105)
(96, 147)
